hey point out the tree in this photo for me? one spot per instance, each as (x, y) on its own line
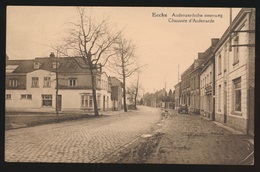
(91, 41)
(133, 91)
(125, 63)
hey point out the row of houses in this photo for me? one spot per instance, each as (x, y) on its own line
(220, 83)
(31, 85)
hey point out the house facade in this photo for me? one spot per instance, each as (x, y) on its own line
(177, 95)
(194, 85)
(234, 74)
(31, 85)
(185, 87)
(116, 93)
(207, 83)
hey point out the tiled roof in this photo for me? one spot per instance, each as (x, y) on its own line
(115, 81)
(67, 65)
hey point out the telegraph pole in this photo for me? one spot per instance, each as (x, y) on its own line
(57, 89)
(230, 28)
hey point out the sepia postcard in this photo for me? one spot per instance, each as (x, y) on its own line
(130, 85)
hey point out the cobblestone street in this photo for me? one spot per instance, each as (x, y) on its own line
(148, 135)
(86, 140)
(188, 139)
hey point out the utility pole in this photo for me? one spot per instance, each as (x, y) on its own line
(230, 28)
(57, 89)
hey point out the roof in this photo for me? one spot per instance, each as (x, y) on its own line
(232, 26)
(67, 65)
(115, 81)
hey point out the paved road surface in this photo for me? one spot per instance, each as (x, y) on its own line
(187, 139)
(86, 140)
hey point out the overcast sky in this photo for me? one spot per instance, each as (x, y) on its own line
(161, 44)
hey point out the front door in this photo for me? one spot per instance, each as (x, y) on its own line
(104, 103)
(225, 103)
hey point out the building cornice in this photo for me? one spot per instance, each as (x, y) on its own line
(242, 13)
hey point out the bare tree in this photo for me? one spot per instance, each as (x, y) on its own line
(133, 90)
(125, 63)
(91, 41)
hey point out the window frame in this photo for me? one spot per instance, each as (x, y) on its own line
(236, 82)
(8, 96)
(72, 84)
(36, 65)
(26, 96)
(86, 101)
(46, 81)
(46, 99)
(33, 81)
(13, 82)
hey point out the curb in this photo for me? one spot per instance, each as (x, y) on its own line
(233, 131)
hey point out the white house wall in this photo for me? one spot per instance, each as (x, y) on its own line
(18, 104)
(234, 71)
(71, 98)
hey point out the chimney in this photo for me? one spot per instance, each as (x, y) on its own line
(200, 55)
(214, 41)
(52, 55)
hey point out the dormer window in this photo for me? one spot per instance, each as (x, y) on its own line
(36, 65)
(55, 65)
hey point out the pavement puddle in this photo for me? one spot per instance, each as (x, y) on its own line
(146, 135)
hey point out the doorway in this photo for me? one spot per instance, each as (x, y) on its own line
(225, 102)
(104, 103)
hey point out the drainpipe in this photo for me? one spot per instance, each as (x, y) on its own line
(213, 88)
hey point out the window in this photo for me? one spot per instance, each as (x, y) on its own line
(26, 96)
(46, 82)
(46, 100)
(236, 50)
(219, 64)
(36, 65)
(8, 96)
(55, 65)
(219, 97)
(13, 82)
(237, 94)
(35, 82)
(72, 82)
(86, 101)
(90, 101)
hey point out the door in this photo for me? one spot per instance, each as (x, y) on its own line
(58, 102)
(225, 102)
(104, 103)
